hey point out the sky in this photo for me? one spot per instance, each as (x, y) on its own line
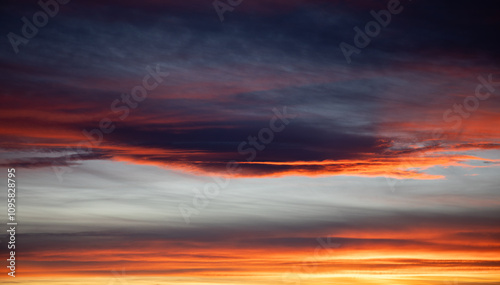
(251, 142)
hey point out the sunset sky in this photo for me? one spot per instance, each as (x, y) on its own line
(172, 142)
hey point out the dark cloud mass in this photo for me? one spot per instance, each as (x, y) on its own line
(225, 78)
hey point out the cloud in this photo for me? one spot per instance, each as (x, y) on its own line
(225, 80)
